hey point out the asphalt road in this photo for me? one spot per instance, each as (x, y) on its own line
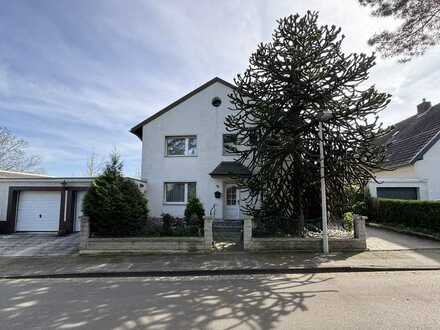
(403, 300)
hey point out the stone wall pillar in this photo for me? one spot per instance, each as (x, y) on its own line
(85, 232)
(247, 232)
(207, 232)
(359, 229)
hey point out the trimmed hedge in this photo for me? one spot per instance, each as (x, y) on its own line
(413, 214)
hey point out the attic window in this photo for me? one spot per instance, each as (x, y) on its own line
(216, 101)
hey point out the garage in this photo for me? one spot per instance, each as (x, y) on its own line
(398, 192)
(38, 211)
(43, 204)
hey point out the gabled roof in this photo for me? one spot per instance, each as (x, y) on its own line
(230, 169)
(137, 130)
(411, 138)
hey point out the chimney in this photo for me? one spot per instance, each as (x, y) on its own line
(422, 107)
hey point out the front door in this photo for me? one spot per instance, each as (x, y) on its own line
(232, 202)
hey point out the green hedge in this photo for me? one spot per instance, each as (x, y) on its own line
(417, 215)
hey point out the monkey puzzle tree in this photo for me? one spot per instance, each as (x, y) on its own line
(278, 102)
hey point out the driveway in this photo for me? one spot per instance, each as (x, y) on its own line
(38, 244)
(383, 239)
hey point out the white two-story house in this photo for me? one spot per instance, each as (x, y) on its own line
(184, 154)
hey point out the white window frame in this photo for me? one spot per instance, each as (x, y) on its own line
(186, 137)
(185, 195)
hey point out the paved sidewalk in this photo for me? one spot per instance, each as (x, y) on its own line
(25, 266)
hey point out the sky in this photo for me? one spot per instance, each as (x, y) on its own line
(75, 76)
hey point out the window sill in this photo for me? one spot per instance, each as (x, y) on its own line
(179, 156)
(174, 203)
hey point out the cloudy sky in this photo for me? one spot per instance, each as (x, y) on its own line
(75, 76)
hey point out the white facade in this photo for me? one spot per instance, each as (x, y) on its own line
(196, 116)
(423, 175)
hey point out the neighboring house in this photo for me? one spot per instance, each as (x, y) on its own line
(184, 154)
(36, 203)
(413, 159)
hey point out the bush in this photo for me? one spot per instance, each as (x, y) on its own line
(114, 204)
(360, 208)
(348, 221)
(153, 229)
(167, 223)
(270, 222)
(172, 226)
(194, 207)
(413, 214)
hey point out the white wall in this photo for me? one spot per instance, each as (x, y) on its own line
(195, 116)
(429, 169)
(405, 171)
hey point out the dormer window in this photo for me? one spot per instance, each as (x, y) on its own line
(181, 146)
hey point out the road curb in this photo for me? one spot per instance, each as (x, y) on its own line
(220, 272)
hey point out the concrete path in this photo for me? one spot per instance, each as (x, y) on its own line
(383, 239)
(38, 244)
(399, 300)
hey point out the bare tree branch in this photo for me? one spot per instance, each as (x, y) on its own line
(93, 167)
(13, 155)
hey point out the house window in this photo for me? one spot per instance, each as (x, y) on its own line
(179, 192)
(230, 144)
(181, 145)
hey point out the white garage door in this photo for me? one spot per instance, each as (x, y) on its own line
(78, 211)
(38, 211)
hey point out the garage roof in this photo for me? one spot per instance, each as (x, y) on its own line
(15, 174)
